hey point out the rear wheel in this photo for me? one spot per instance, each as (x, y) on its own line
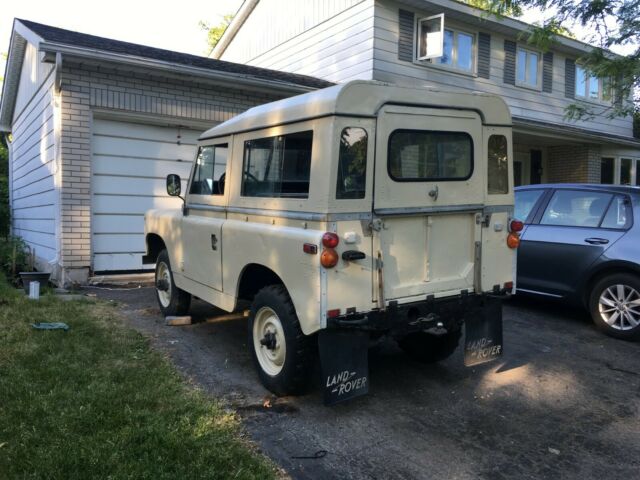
(282, 353)
(428, 348)
(171, 299)
(615, 305)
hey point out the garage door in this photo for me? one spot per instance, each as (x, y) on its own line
(130, 164)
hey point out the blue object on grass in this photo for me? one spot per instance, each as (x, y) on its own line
(50, 326)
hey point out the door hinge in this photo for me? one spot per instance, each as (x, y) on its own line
(483, 220)
(376, 224)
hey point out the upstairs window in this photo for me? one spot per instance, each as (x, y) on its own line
(277, 167)
(528, 68)
(590, 87)
(445, 46)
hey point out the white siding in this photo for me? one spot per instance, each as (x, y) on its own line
(130, 162)
(526, 103)
(328, 39)
(33, 193)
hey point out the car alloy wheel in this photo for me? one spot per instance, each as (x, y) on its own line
(163, 284)
(269, 341)
(619, 307)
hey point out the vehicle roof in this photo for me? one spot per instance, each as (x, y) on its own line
(360, 98)
(583, 186)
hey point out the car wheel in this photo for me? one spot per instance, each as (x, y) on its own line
(615, 305)
(428, 348)
(172, 300)
(282, 353)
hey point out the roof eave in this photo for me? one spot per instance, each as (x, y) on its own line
(247, 80)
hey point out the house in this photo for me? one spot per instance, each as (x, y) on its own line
(95, 126)
(387, 40)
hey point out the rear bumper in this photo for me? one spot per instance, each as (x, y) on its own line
(438, 315)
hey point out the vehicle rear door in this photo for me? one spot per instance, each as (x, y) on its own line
(566, 237)
(427, 194)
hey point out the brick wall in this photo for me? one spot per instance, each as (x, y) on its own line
(85, 87)
(574, 164)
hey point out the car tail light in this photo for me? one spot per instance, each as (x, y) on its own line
(310, 248)
(329, 258)
(330, 240)
(508, 286)
(513, 240)
(333, 313)
(516, 226)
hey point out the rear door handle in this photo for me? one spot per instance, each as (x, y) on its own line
(596, 241)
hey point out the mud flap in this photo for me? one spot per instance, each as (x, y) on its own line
(344, 357)
(483, 333)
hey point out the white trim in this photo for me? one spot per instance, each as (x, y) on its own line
(538, 86)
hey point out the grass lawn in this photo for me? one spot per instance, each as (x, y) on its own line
(97, 402)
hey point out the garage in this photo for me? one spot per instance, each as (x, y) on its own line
(130, 162)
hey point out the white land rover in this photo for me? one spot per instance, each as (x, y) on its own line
(343, 214)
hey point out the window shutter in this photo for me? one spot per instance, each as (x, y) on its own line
(484, 55)
(406, 24)
(547, 72)
(509, 62)
(569, 78)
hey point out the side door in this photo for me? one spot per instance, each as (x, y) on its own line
(427, 194)
(205, 215)
(565, 238)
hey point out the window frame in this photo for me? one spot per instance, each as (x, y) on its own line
(210, 199)
(617, 167)
(426, 180)
(529, 51)
(434, 62)
(588, 79)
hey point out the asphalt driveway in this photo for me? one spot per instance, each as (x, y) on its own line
(563, 402)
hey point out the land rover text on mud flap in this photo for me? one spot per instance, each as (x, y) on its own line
(343, 214)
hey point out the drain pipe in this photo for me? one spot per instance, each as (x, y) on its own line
(57, 173)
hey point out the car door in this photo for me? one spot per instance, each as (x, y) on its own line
(563, 240)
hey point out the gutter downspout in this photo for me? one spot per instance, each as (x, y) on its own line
(233, 28)
(57, 173)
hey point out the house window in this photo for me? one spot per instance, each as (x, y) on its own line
(626, 170)
(590, 87)
(528, 68)
(458, 49)
(607, 170)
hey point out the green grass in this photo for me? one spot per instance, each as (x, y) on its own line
(97, 402)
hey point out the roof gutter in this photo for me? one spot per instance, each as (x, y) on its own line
(230, 32)
(223, 77)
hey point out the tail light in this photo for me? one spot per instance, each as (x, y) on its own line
(329, 258)
(513, 240)
(516, 226)
(330, 240)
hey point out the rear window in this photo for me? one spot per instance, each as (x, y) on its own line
(575, 208)
(498, 165)
(618, 215)
(420, 155)
(525, 201)
(277, 166)
(352, 164)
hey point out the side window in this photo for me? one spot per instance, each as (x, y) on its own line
(421, 155)
(277, 167)
(209, 173)
(352, 164)
(498, 166)
(576, 208)
(525, 201)
(618, 215)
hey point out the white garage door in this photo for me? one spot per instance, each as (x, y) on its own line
(130, 165)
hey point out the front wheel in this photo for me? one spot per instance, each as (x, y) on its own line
(428, 348)
(171, 299)
(282, 353)
(615, 305)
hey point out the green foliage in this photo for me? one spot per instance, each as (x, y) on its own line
(497, 7)
(14, 256)
(636, 124)
(214, 33)
(98, 402)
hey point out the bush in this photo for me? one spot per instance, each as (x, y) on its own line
(14, 255)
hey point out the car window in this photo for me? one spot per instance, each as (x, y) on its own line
(208, 176)
(352, 164)
(525, 201)
(618, 215)
(576, 208)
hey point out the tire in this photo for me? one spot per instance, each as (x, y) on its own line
(173, 301)
(428, 348)
(285, 359)
(614, 304)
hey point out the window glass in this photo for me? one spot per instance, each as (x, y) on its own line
(425, 155)
(277, 166)
(352, 163)
(607, 170)
(581, 82)
(576, 208)
(525, 201)
(532, 68)
(447, 52)
(465, 51)
(498, 174)
(594, 88)
(527, 67)
(208, 176)
(618, 215)
(638, 172)
(625, 171)
(521, 66)
(606, 89)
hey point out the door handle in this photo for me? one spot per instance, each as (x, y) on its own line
(351, 255)
(596, 241)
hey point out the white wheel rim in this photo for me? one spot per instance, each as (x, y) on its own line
(267, 324)
(619, 307)
(162, 273)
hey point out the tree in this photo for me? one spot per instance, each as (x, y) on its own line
(214, 33)
(611, 23)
